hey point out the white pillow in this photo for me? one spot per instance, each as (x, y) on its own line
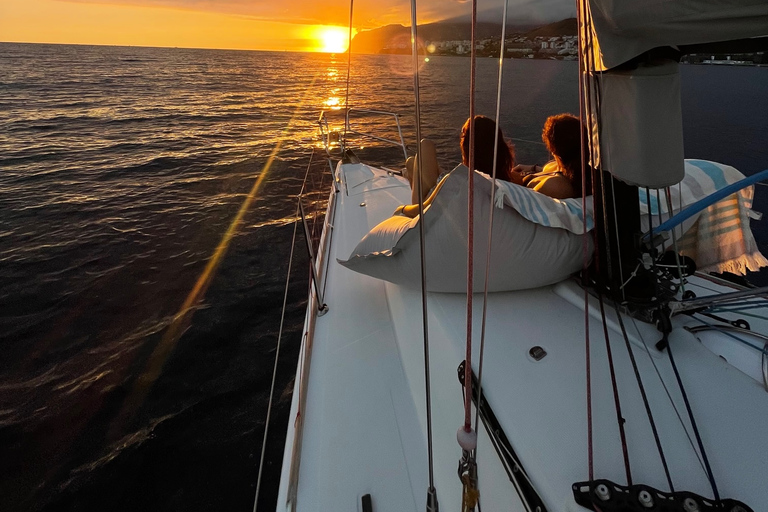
(524, 254)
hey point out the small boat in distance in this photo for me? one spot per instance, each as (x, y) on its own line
(636, 384)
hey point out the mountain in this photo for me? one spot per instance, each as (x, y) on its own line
(568, 27)
(396, 38)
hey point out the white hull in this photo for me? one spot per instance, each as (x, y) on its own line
(362, 426)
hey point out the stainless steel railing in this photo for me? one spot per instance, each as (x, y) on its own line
(329, 137)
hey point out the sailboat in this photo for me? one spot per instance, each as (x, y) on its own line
(634, 384)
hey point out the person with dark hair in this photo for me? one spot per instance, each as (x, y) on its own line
(564, 135)
(560, 178)
(428, 171)
(486, 133)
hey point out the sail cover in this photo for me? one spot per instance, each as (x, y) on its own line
(628, 28)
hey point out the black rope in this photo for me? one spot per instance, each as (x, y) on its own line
(645, 401)
(616, 399)
(710, 475)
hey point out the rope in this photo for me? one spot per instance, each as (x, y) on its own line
(637, 373)
(490, 221)
(585, 250)
(647, 405)
(470, 229)
(274, 369)
(674, 241)
(669, 395)
(616, 400)
(708, 468)
(538, 142)
(431, 493)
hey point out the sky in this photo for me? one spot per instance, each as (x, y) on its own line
(294, 25)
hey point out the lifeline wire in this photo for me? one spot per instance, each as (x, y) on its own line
(490, 223)
(431, 492)
(277, 358)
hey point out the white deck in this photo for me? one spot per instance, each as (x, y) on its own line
(364, 421)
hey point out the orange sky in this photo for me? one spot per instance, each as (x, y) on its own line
(243, 24)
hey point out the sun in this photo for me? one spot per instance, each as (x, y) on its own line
(333, 39)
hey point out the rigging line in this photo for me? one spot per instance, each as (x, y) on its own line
(583, 70)
(490, 220)
(751, 315)
(504, 450)
(674, 242)
(616, 400)
(634, 364)
(737, 308)
(329, 228)
(598, 82)
(723, 330)
(470, 227)
(710, 475)
(528, 141)
(349, 67)
(669, 395)
(277, 358)
(643, 394)
(669, 214)
(431, 492)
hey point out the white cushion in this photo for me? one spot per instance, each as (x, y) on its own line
(524, 254)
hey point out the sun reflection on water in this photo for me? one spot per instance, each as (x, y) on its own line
(334, 103)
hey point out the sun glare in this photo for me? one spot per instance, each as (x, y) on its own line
(333, 39)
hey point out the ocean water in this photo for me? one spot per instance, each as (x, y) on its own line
(146, 211)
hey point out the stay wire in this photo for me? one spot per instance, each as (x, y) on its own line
(674, 242)
(583, 71)
(490, 222)
(349, 67)
(277, 358)
(610, 267)
(414, 50)
(637, 373)
(470, 227)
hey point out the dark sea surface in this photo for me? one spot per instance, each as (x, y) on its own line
(136, 359)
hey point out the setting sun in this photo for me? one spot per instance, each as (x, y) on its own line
(333, 39)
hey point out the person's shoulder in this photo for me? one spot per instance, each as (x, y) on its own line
(557, 186)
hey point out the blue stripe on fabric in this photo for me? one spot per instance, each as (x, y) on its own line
(528, 202)
(641, 192)
(541, 211)
(579, 212)
(714, 172)
(517, 200)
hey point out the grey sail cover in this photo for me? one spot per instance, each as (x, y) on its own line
(628, 28)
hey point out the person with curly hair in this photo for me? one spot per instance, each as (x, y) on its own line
(561, 177)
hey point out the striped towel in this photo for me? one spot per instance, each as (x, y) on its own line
(719, 239)
(543, 210)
